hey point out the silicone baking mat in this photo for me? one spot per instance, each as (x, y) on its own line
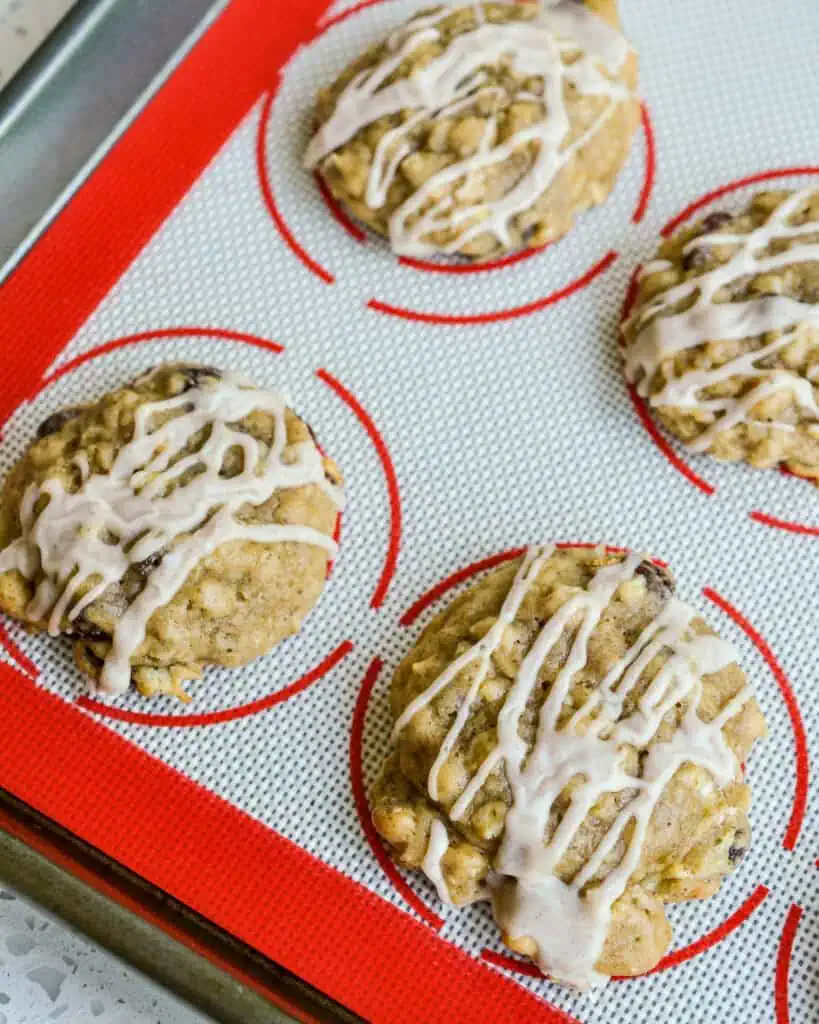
(473, 410)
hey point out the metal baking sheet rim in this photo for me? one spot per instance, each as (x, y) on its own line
(30, 97)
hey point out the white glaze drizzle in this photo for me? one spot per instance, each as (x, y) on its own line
(454, 80)
(709, 321)
(431, 866)
(654, 267)
(118, 519)
(569, 922)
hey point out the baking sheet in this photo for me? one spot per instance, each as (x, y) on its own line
(471, 413)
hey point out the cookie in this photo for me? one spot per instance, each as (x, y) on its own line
(185, 519)
(568, 741)
(483, 129)
(724, 339)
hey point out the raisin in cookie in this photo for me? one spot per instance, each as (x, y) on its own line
(568, 744)
(724, 340)
(185, 519)
(482, 129)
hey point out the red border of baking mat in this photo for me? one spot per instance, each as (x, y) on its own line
(245, 877)
(233, 870)
(115, 213)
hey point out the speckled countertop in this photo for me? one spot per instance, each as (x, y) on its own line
(50, 972)
(24, 24)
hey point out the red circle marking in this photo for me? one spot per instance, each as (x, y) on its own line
(659, 440)
(362, 805)
(511, 963)
(651, 165)
(337, 211)
(788, 524)
(640, 406)
(435, 593)
(336, 540)
(431, 267)
(642, 410)
(228, 714)
(219, 333)
(269, 198)
(784, 524)
(331, 564)
(783, 965)
(20, 658)
(798, 476)
(800, 797)
(393, 492)
(732, 186)
(503, 314)
(344, 15)
(631, 297)
(340, 215)
(674, 959)
(722, 931)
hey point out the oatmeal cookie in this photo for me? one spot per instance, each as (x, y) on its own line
(568, 743)
(724, 339)
(483, 129)
(185, 519)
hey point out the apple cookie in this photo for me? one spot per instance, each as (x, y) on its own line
(569, 737)
(185, 519)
